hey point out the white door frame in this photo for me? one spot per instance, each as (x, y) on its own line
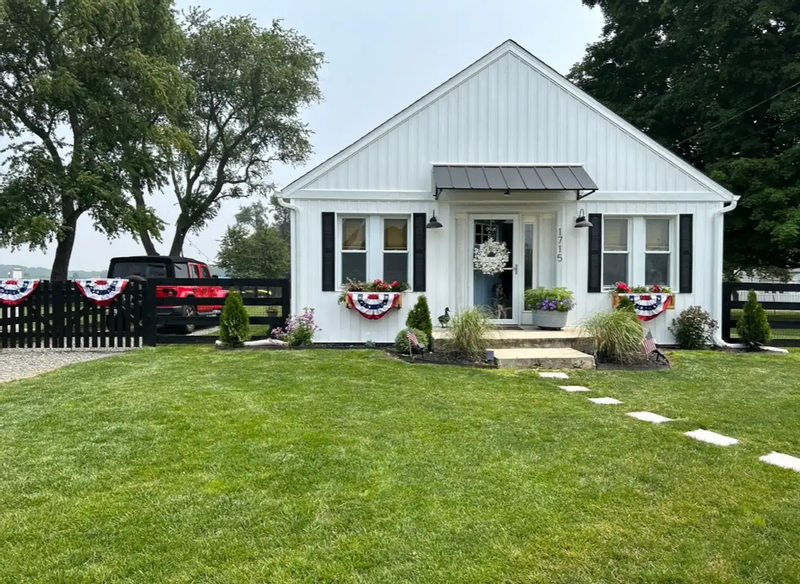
(518, 299)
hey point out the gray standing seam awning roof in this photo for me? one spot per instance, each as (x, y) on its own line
(554, 177)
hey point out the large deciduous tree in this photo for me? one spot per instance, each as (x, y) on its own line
(87, 92)
(251, 85)
(716, 82)
(254, 248)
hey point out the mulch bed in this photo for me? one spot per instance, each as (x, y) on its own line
(439, 359)
(645, 364)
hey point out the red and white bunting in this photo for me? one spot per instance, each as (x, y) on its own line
(649, 306)
(373, 305)
(101, 292)
(13, 292)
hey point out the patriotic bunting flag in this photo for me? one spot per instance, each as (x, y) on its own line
(101, 292)
(13, 292)
(649, 306)
(373, 305)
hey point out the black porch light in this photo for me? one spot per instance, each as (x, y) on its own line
(582, 221)
(433, 223)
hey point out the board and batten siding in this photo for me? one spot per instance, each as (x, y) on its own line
(449, 265)
(506, 112)
(339, 324)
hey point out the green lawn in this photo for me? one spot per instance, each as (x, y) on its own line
(187, 464)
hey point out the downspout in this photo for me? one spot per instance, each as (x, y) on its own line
(719, 235)
(293, 250)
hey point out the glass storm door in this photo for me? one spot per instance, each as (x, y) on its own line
(498, 293)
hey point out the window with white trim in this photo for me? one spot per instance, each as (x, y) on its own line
(354, 249)
(639, 251)
(374, 247)
(395, 250)
(657, 252)
(616, 256)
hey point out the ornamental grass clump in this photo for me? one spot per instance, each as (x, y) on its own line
(469, 332)
(549, 299)
(693, 329)
(617, 336)
(299, 330)
(753, 328)
(234, 324)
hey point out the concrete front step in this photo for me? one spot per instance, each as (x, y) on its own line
(530, 338)
(559, 358)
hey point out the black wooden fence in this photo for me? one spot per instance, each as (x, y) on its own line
(57, 315)
(780, 301)
(267, 301)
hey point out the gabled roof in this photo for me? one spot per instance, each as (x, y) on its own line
(525, 56)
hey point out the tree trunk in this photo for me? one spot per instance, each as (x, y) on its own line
(147, 241)
(176, 249)
(60, 272)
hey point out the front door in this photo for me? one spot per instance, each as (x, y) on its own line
(499, 292)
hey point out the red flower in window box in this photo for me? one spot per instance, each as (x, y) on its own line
(622, 288)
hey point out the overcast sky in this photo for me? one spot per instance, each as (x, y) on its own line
(380, 57)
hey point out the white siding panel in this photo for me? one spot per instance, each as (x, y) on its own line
(507, 112)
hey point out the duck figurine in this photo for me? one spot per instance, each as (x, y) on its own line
(445, 318)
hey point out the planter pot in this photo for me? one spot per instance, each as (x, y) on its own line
(552, 320)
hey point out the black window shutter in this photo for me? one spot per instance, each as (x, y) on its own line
(595, 253)
(420, 252)
(686, 251)
(328, 252)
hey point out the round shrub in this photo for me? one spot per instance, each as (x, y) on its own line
(693, 328)
(402, 345)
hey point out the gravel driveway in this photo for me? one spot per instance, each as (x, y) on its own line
(22, 363)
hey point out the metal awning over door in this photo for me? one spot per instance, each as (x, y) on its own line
(513, 178)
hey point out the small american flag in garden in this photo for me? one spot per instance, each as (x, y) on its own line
(648, 344)
(412, 338)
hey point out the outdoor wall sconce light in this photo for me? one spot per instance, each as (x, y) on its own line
(433, 223)
(582, 221)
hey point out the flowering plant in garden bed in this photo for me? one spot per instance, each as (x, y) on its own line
(374, 286)
(299, 330)
(550, 299)
(623, 288)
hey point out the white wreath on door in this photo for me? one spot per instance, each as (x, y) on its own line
(491, 257)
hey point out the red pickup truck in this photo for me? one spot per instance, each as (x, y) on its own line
(151, 267)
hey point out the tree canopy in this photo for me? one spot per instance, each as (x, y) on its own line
(251, 85)
(718, 83)
(88, 94)
(254, 248)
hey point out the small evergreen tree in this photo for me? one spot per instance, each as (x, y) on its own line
(419, 318)
(234, 325)
(753, 327)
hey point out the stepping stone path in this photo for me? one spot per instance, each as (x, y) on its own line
(774, 458)
(552, 375)
(608, 401)
(574, 388)
(712, 438)
(649, 417)
(782, 460)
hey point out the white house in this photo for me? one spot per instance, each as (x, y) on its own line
(507, 148)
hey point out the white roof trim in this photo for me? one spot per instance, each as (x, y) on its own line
(525, 56)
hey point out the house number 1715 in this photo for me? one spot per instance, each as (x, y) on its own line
(560, 256)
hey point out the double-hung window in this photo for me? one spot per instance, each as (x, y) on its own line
(616, 254)
(374, 247)
(657, 256)
(354, 249)
(395, 250)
